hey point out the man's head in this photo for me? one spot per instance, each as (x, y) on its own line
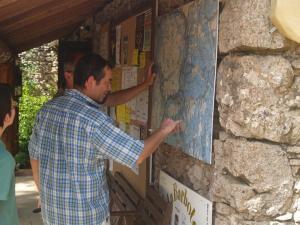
(93, 77)
(7, 110)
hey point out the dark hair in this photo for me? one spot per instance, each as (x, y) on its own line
(70, 61)
(5, 101)
(89, 65)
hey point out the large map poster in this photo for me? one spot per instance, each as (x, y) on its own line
(186, 59)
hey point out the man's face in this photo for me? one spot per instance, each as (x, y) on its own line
(100, 90)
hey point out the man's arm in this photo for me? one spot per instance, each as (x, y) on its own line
(153, 141)
(35, 172)
(123, 96)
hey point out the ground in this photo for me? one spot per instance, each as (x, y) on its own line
(27, 200)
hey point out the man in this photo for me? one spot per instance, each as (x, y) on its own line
(70, 141)
(113, 99)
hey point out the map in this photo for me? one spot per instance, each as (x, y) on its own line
(184, 89)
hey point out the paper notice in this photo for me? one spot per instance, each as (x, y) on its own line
(118, 43)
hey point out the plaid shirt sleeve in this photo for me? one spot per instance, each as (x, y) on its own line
(34, 146)
(116, 144)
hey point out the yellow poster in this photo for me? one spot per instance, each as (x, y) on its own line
(142, 59)
(135, 57)
(121, 113)
(127, 114)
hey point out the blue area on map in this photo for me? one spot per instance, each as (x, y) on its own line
(185, 52)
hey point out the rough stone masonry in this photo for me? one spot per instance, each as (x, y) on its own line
(255, 178)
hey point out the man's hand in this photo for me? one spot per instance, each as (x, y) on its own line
(152, 142)
(170, 126)
(150, 76)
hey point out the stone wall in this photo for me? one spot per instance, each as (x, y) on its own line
(41, 66)
(256, 171)
(255, 178)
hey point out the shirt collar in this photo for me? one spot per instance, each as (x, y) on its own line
(81, 97)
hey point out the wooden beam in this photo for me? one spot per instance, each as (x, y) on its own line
(44, 11)
(45, 38)
(4, 3)
(19, 38)
(46, 25)
(17, 7)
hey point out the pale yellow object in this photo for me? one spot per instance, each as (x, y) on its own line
(285, 16)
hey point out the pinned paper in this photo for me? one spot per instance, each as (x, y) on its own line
(118, 44)
(127, 114)
(135, 131)
(142, 60)
(135, 57)
(121, 113)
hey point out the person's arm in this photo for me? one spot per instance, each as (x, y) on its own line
(35, 172)
(153, 141)
(34, 152)
(113, 143)
(123, 96)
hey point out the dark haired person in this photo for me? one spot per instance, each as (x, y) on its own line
(112, 99)
(8, 209)
(70, 141)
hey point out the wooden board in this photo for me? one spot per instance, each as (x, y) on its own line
(128, 34)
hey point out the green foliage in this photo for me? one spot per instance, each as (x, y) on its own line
(29, 105)
(35, 92)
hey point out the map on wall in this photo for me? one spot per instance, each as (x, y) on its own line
(186, 60)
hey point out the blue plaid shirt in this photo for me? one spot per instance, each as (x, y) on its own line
(71, 139)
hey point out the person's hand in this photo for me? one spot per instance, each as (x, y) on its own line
(170, 126)
(150, 76)
(38, 208)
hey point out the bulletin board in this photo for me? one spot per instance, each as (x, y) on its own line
(132, 52)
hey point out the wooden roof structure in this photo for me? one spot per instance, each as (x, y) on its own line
(25, 24)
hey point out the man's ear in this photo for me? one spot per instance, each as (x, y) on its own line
(89, 82)
(67, 75)
(69, 78)
(7, 120)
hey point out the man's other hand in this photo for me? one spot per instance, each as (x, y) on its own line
(150, 76)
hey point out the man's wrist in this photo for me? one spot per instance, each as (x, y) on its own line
(164, 132)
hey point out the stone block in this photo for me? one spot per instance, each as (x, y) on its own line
(245, 25)
(295, 170)
(297, 216)
(258, 97)
(297, 187)
(285, 217)
(295, 162)
(294, 149)
(296, 64)
(258, 180)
